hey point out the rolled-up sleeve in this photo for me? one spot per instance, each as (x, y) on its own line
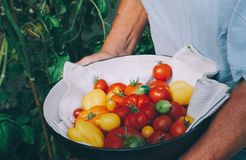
(236, 42)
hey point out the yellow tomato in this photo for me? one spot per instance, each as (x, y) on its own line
(147, 131)
(94, 98)
(181, 92)
(108, 121)
(111, 105)
(187, 119)
(86, 132)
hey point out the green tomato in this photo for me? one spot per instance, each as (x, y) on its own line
(134, 141)
(143, 89)
(163, 106)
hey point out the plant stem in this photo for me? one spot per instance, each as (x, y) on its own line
(13, 10)
(74, 18)
(38, 105)
(21, 45)
(101, 18)
(3, 52)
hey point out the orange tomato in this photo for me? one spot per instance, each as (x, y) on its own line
(131, 87)
(118, 98)
(93, 113)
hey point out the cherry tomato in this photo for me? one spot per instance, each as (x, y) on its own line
(178, 128)
(163, 106)
(177, 110)
(147, 131)
(159, 93)
(100, 84)
(162, 123)
(187, 119)
(130, 88)
(76, 112)
(117, 87)
(162, 71)
(158, 83)
(158, 137)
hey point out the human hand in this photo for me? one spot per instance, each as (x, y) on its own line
(95, 57)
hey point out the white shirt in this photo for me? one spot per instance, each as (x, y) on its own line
(216, 28)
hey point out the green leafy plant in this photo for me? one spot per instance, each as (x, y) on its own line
(36, 38)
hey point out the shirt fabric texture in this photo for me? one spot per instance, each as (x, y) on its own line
(217, 29)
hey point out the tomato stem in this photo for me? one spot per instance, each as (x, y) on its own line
(91, 115)
(133, 109)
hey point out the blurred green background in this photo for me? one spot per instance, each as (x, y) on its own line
(36, 38)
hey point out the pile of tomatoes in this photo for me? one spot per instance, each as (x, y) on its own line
(131, 115)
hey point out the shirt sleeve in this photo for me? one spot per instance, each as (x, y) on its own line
(236, 42)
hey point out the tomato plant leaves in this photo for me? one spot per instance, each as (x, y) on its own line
(4, 117)
(27, 134)
(6, 132)
(102, 6)
(60, 7)
(21, 120)
(77, 27)
(55, 71)
(3, 97)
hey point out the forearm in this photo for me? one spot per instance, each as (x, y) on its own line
(227, 133)
(127, 27)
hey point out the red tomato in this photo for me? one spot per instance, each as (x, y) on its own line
(158, 137)
(122, 110)
(130, 88)
(115, 138)
(178, 128)
(76, 112)
(158, 83)
(101, 84)
(159, 93)
(136, 100)
(117, 86)
(162, 72)
(162, 123)
(177, 110)
(140, 116)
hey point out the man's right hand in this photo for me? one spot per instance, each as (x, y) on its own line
(95, 57)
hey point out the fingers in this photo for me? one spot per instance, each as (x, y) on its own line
(94, 57)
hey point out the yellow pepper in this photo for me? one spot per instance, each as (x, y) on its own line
(86, 132)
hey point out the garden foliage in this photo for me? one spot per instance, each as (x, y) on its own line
(36, 38)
